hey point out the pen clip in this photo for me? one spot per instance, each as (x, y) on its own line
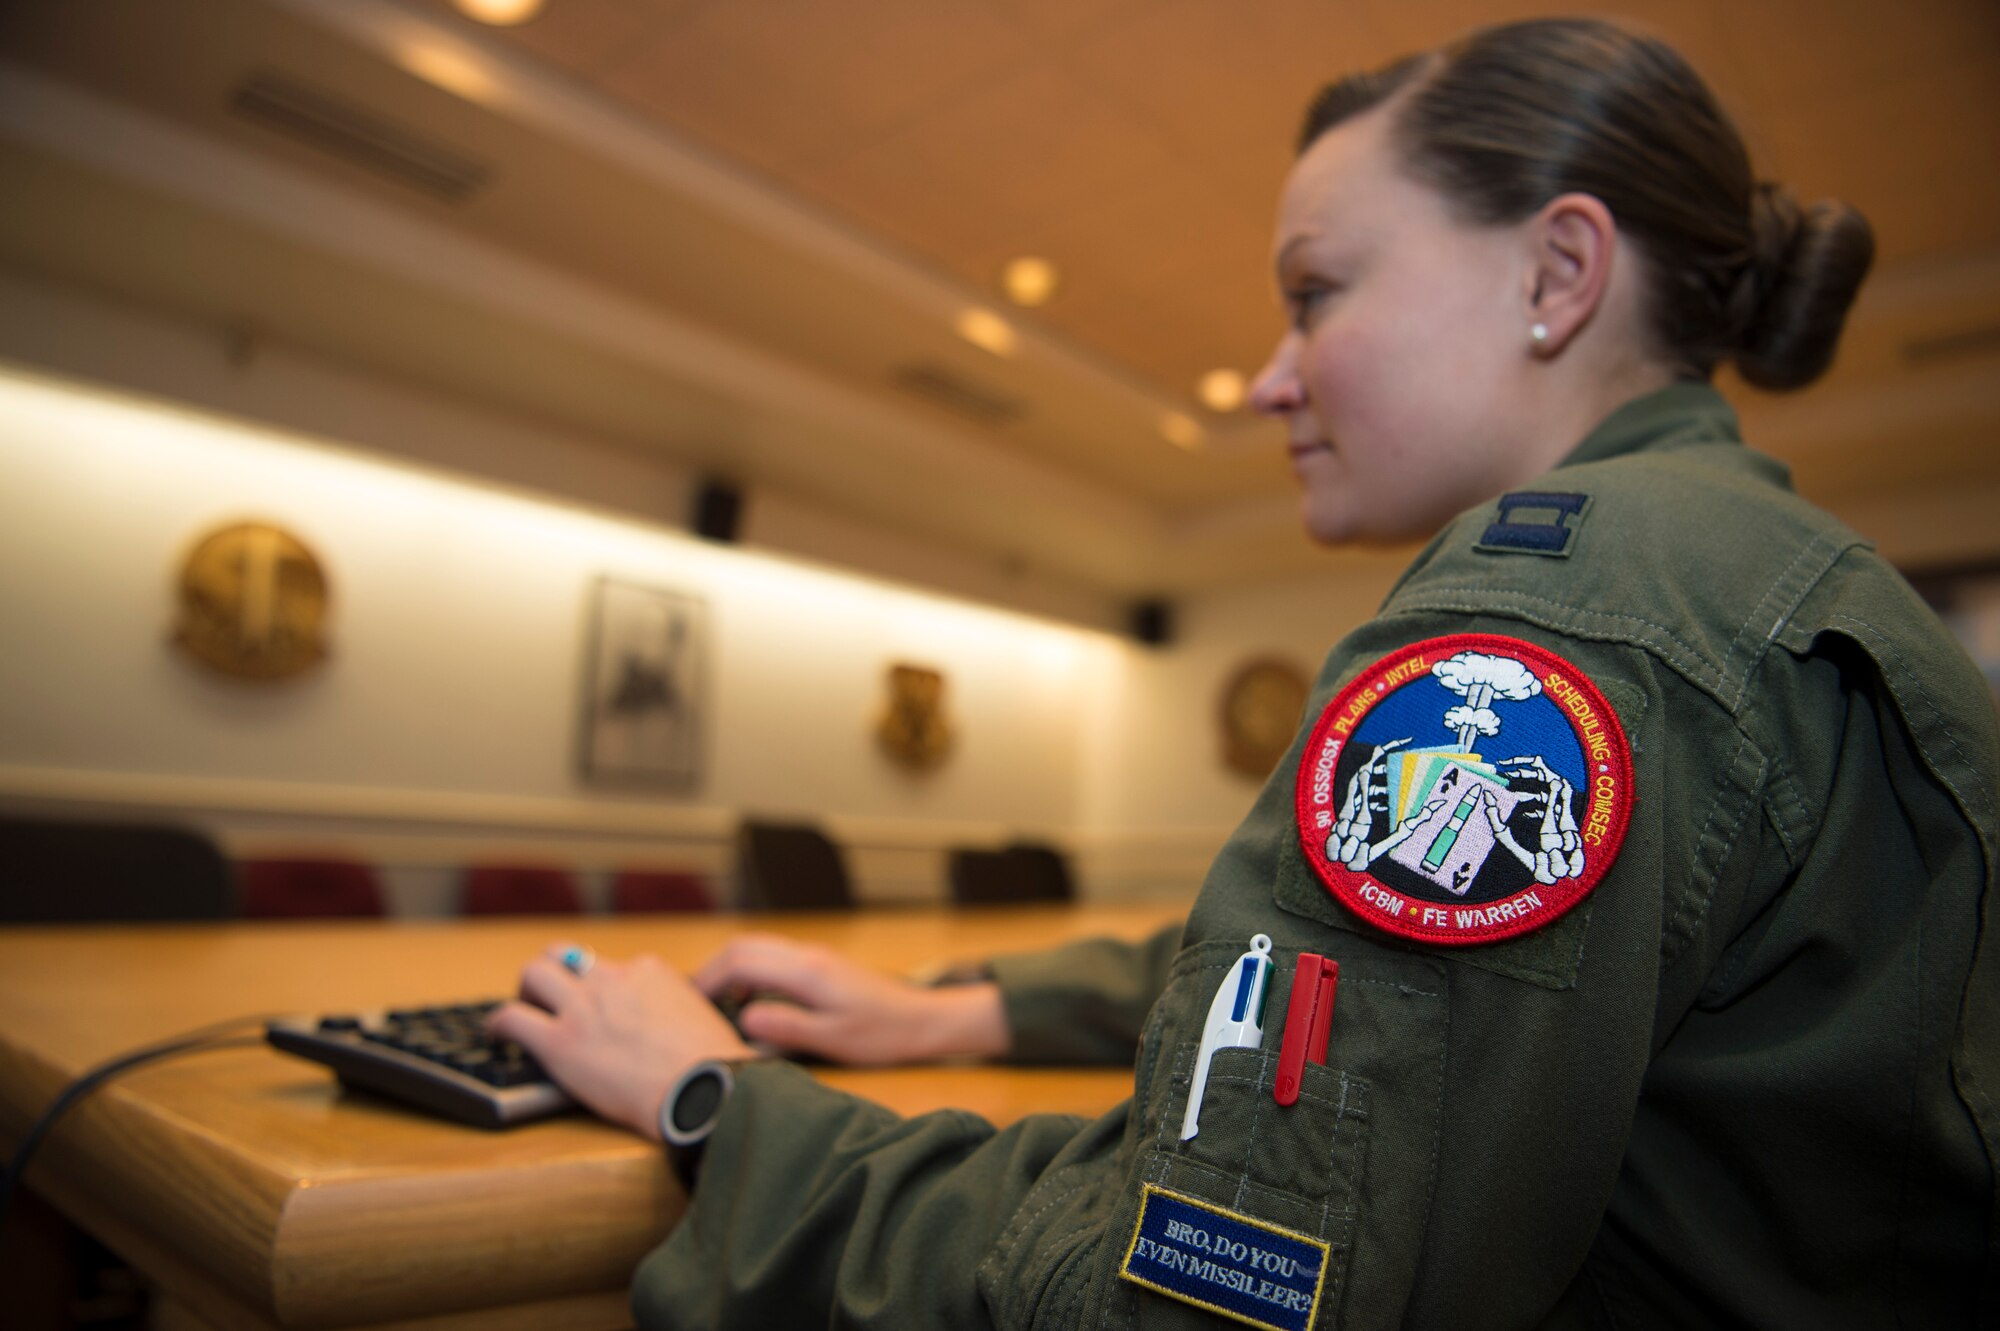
(1235, 1021)
(1322, 1025)
(1308, 1023)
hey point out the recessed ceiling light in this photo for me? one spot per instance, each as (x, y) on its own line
(447, 67)
(987, 330)
(500, 13)
(1181, 431)
(1221, 390)
(1029, 280)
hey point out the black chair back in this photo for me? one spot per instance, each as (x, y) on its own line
(1024, 871)
(73, 872)
(981, 877)
(790, 866)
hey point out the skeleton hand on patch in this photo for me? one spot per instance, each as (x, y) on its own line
(1349, 843)
(1558, 850)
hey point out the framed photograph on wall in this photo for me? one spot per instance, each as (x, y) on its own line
(644, 685)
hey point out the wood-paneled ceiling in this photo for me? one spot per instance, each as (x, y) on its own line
(1140, 142)
(822, 185)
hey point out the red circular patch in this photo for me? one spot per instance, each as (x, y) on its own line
(1465, 789)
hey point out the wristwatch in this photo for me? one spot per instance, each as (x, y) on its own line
(689, 1112)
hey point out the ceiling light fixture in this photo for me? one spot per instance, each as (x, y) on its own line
(1030, 281)
(500, 13)
(448, 67)
(1182, 431)
(988, 331)
(1221, 390)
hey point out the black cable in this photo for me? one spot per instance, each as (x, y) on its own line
(213, 1036)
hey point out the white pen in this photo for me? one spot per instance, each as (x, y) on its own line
(1235, 1021)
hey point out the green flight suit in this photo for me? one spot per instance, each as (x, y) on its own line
(1748, 1081)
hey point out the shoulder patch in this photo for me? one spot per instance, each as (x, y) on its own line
(1236, 1265)
(1536, 522)
(1464, 790)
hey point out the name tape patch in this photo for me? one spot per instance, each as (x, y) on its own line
(1232, 1264)
(1464, 790)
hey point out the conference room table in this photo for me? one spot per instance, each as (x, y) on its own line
(252, 1191)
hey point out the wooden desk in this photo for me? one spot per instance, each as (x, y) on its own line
(255, 1192)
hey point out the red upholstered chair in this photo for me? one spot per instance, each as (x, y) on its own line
(297, 888)
(519, 889)
(638, 890)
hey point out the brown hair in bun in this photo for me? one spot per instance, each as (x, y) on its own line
(1509, 117)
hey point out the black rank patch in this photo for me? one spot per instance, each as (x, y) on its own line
(1536, 522)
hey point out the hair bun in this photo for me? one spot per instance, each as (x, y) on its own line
(1806, 265)
(1775, 221)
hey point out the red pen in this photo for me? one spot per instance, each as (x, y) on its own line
(1308, 1023)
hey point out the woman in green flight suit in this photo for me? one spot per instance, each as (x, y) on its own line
(1651, 825)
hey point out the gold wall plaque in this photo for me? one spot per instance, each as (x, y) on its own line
(1261, 708)
(914, 730)
(253, 603)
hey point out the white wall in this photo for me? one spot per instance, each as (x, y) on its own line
(458, 634)
(446, 716)
(1155, 774)
(243, 376)
(1160, 760)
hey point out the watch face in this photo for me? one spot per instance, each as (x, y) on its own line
(689, 1114)
(699, 1101)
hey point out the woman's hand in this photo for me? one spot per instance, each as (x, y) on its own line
(809, 1000)
(617, 1036)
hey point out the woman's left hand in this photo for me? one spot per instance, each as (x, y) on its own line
(617, 1036)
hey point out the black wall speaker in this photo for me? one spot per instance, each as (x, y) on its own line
(718, 509)
(1153, 622)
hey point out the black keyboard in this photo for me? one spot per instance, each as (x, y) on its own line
(435, 1058)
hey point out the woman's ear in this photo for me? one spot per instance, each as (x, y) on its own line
(1572, 241)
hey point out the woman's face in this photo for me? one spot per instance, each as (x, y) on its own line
(1405, 362)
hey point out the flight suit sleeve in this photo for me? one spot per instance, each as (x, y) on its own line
(816, 1208)
(1084, 1002)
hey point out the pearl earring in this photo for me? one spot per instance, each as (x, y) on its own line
(1538, 334)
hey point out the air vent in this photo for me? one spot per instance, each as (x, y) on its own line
(1980, 341)
(944, 388)
(358, 136)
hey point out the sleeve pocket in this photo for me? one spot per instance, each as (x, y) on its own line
(1294, 1166)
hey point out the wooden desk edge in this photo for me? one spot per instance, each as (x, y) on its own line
(105, 1148)
(249, 1243)
(275, 1251)
(606, 1214)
